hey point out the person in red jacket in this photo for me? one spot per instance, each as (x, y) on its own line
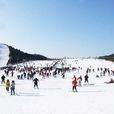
(74, 83)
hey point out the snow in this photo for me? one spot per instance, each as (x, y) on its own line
(55, 95)
(4, 55)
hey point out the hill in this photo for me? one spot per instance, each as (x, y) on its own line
(18, 56)
(108, 57)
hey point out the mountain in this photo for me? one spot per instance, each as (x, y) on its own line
(17, 56)
(10, 55)
(108, 57)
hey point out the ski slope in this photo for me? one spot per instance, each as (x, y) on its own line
(55, 95)
(4, 54)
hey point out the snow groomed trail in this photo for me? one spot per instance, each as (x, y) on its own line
(55, 95)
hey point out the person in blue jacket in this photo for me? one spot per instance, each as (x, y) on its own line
(12, 87)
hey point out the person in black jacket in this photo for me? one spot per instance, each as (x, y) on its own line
(3, 79)
(86, 78)
(35, 82)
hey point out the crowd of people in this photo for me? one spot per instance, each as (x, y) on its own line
(29, 72)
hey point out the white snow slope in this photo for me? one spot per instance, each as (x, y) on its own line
(4, 54)
(55, 95)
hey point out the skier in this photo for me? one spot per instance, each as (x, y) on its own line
(7, 84)
(12, 87)
(86, 78)
(12, 73)
(3, 79)
(35, 82)
(74, 83)
(111, 81)
(63, 74)
(79, 80)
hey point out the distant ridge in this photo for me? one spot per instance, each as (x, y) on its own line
(108, 57)
(18, 56)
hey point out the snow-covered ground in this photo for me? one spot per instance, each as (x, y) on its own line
(4, 54)
(55, 95)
